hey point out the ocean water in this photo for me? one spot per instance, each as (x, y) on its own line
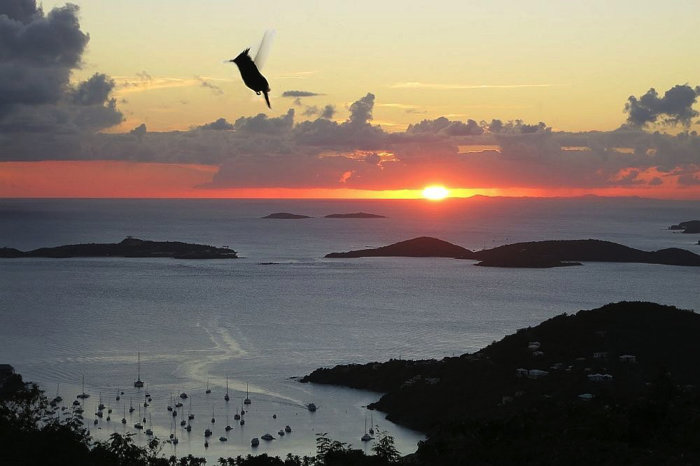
(283, 310)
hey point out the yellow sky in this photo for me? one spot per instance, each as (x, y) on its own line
(570, 65)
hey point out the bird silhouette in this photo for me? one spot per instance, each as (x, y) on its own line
(251, 75)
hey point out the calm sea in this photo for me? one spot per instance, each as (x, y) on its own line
(283, 310)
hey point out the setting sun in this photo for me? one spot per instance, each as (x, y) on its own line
(435, 193)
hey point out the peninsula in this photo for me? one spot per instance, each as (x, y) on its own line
(129, 247)
(536, 254)
(613, 385)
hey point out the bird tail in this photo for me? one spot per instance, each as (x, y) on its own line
(267, 99)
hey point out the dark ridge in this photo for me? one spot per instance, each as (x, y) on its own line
(552, 253)
(691, 226)
(632, 342)
(286, 216)
(129, 247)
(355, 215)
(423, 246)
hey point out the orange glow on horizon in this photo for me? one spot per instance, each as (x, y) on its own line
(120, 179)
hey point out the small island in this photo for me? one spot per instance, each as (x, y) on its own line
(285, 216)
(423, 246)
(129, 247)
(691, 226)
(535, 254)
(355, 215)
(613, 385)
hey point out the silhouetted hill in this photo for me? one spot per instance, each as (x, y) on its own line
(286, 216)
(355, 215)
(588, 250)
(423, 246)
(614, 385)
(691, 226)
(537, 254)
(129, 247)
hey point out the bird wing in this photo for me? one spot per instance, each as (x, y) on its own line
(264, 49)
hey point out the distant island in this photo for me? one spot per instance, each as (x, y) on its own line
(613, 385)
(355, 215)
(423, 246)
(691, 226)
(286, 216)
(536, 254)
(129, 247)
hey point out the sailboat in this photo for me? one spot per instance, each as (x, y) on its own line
(83, 395)
(208, 390)
(228, 426)
(213, 419)
(226, 398)
(247, 399)
(124, 418)
(149, 431)
(139, 382)
(190, 415)
(118, 397)
(57, 399)
(366, 437)
(371, 424)
(131, 406)
(138, 424)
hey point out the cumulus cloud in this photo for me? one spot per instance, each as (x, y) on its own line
(277, 151)
(675, 107)
(37, 55)
(219, 125)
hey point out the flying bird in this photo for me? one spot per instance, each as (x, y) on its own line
(250, 68)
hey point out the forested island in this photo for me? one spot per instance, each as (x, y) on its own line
(614, 385)
(128, 247)
(535, 254)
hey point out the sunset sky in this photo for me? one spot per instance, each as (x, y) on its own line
(369, 99)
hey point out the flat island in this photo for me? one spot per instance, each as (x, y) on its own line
(286, 216)
(129, 247)
(613, 385)
(355, 215)
(536, 254)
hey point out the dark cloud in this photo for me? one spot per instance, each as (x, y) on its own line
(298, 94)
(361, 110)
(140, 130)
(311, 111)
(37, 55)
(328, 112)
(444, 126)
(675, 107)
(23, 11)
(94, 91)
(219, 125)
(261, 123)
